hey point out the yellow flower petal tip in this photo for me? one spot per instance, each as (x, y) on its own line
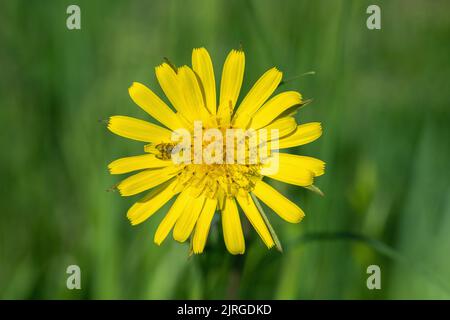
(212, 184)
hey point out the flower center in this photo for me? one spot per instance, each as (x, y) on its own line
(214, 179)
(214, 175)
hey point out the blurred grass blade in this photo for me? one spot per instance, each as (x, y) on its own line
(309, 73)
(266, 220)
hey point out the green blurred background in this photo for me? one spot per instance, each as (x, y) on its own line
(382, 97)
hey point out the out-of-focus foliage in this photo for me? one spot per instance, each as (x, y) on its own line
(382, 97)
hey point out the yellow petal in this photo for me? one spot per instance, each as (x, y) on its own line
(274, 107)
(297, 170)
(302, 162)
(305, 133)
(170, 83)
(289, 174)
(192, 94)
(186, 222)
(153, 105)
(145, 180)
(171, 217)
(140, 130)
(203, 225)
(285, 208)
(148, 205)
(232, 229)
(253, 215)
(230, 85)
(225, 113)
(202, 65)
(257, 95)
(285, 126)
(129, 164)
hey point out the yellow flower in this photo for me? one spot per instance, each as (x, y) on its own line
(201, 189)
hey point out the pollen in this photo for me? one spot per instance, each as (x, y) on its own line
(213, 179)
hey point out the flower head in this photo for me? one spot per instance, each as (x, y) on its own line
(212, 155)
